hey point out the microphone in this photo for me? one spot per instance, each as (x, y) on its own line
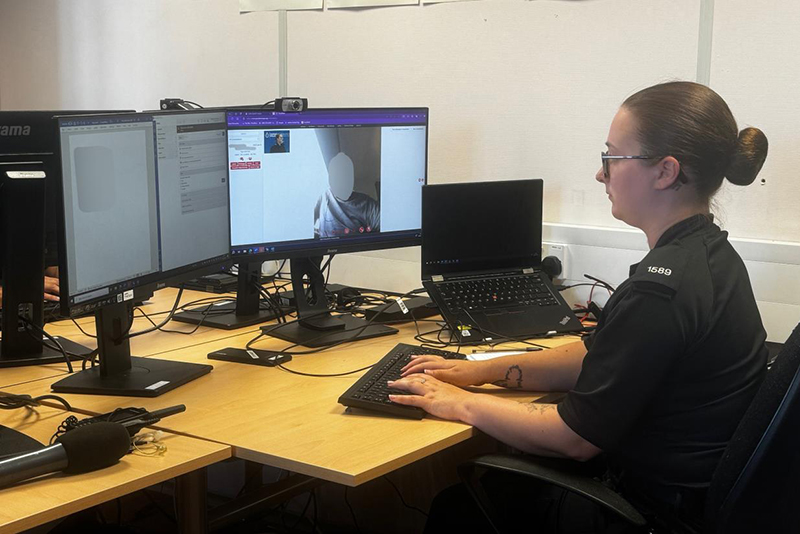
(81, 450)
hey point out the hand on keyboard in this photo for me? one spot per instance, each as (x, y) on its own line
(456, 372)
(438, 398)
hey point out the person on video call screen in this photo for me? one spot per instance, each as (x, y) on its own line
(341, 211)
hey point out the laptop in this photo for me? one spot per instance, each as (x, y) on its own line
(481, 261)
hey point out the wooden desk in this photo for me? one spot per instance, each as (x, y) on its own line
(39, 501)
(295, 422)
(151, 344)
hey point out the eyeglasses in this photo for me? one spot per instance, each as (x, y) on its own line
(605, 157)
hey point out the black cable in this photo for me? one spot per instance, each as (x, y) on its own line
(84, 332)
(564, 288)
(128, 335)
(402, 499)
(357, 330)
(265, 104)
(316, 510)
(601, 282)
(193, 103)
(303, 513)
(281, 366)
(352, 512)
(60, 348)
(9, 401)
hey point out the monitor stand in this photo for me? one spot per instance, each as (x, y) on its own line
(119, 373)
(245, 311)
(316, 327)
(22, 243)
(13, 443)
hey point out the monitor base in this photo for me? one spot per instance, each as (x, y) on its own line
(13, 443)
(309, 337)
(148, 377)
(224, 316)
(46, 356)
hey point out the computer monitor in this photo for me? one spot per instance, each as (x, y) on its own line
(28, 208)
(198, 149)
(324, 181)
(137, 216)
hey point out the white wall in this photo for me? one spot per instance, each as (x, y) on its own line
(516, 89)
(756, 68)
(105, 54)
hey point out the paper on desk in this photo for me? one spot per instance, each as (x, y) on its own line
(481, 356)
(341, 4)
(443, 1)
(246, 6)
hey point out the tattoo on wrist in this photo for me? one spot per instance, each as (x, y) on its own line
(513, 379)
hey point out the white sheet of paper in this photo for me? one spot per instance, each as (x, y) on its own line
(481, 356)
(246, 6)
(344, 4)
(443, 1)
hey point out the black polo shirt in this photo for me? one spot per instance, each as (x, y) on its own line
(676, 358)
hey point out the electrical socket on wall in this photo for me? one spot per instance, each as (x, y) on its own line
(560, 251)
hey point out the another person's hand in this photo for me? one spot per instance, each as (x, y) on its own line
(434, 396)
(457, 372)
(51, 289)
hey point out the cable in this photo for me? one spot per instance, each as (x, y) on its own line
(303, 513)
(601, 282)
(9, 401)
(357, 330)
(84, 332)
(352, 512)
(385, 477)
(128, 335)
(59, 348)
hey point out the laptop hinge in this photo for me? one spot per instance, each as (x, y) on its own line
(437, 278)
(527, 270)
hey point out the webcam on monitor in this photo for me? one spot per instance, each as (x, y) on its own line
(291, 104)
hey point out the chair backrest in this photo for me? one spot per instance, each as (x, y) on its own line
(756, 487)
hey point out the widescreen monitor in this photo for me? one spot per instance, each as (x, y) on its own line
(145, 203)
(324, 181)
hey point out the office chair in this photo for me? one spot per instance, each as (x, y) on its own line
(755, 488)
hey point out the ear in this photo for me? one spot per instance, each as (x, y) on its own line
(668, 171)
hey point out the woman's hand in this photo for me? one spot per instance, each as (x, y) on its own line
(434, 396)
(457, 372)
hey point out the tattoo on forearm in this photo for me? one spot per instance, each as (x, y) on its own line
(513, 379)
(539, 407)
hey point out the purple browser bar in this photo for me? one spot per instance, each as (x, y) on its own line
(334, 117)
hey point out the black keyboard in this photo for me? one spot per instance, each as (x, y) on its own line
(371, 391)
(496, 292)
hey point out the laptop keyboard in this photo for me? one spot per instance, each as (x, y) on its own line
(496, 292)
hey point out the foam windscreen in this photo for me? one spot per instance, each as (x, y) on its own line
(95, 446)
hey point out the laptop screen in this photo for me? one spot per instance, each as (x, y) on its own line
(469, 227)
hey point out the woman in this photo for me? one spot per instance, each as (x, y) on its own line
(679, 352)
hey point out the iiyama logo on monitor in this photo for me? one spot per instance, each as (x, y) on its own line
(332, 251)
(14, 131)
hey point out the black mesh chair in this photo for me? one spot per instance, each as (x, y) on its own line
(755, 488)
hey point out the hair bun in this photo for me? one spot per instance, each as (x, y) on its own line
(747, 160)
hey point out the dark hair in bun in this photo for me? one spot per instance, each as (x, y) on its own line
(751, 151)
(692, 123)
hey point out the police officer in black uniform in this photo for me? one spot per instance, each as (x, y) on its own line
(678, 353)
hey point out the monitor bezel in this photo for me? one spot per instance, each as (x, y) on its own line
(139, 287)
(324, 248)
